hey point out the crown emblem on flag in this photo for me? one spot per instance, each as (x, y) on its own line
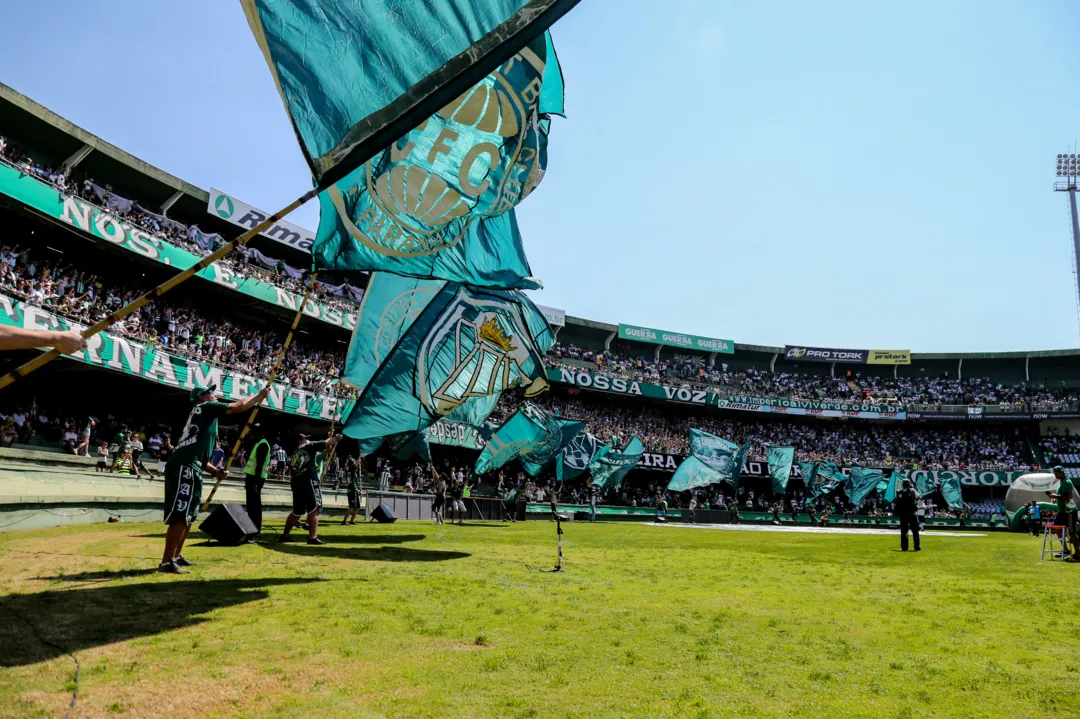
(493, 334)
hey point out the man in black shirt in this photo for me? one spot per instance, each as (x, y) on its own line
(906, 503)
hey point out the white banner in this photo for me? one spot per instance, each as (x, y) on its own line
(554, 316)
(244, 215)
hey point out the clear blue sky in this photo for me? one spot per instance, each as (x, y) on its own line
(845, 174)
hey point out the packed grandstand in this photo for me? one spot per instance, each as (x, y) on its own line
(89, 227)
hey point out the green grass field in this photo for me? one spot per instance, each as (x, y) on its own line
(418, 620)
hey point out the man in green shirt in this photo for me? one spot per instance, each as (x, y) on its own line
(305, 475)
(1066, 510)
(183, 472)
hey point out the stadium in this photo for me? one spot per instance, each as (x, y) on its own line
(798, 604)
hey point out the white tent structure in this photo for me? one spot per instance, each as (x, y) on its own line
(1028, 488)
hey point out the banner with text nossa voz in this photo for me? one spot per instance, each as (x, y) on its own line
(801, 353)
(675, 339)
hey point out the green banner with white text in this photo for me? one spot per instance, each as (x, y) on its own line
(104, 225)
(675, 339)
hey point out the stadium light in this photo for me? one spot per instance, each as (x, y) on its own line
(1068, 169)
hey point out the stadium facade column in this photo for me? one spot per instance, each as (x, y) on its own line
(895, 371)
(1027, 368)
(607, 342)
(656, 354)
(832, 369)
(75, 158)
(712, 359)
(960, 369)
(772, 362)
(167, 204)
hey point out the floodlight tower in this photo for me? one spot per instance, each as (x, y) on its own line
(1068, 168)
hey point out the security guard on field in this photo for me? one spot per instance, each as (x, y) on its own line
(907, 501)
(255, 474)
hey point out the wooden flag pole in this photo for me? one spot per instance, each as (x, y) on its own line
(273, 375)
(333, 422)
(112, 318)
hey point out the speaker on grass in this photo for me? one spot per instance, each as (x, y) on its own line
(228, 524)
(383, 514)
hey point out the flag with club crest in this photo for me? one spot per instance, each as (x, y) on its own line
(576, 456)
(357, 75)
(925, 484)
(712, 459)
(426, 350)
(861, 482)
(532, 435)
(609, 468)
(895, 479)
(821, 478)
(780, 461)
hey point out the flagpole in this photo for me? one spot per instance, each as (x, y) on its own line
(333, 422)
(112, 318)
(269, 382)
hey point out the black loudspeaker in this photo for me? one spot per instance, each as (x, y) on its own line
(383, 515)
(228, 524)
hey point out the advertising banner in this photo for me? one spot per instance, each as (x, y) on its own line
(802, 353)
(130, 357)
(244, 215)
(554, 316)
(675, 339)
(588, 380)
(102, 224)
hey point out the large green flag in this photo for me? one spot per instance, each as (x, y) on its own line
(861, 482)
(424, 351)
(780, 461)
(925, 483)
(357, 75)
(439, 201)
(526, 430)
(609, 468)
(712, 460)
(578, 455)
(824, 477)
(894, 484)
(950, 490)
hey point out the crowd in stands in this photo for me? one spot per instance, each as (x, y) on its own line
(37, 278)
(242, 263)
(692, 372)
(666, 430)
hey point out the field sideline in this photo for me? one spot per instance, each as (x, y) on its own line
(418, 620)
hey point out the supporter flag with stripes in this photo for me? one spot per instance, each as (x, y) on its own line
(780, 461)
(608, 468)
(576, 456)
(860, 483)
(925, 484)
(425, 350)
(561, 432)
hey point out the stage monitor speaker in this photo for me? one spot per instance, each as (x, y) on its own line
(228, 524)
(383, 514)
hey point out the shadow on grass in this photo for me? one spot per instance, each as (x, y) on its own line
(103, 575)
(366, 554)
(79, 619)
(337, 535)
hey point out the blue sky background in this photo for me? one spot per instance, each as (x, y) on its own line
(831, 173)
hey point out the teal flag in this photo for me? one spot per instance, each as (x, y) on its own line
(525, 431)
(576, 456)
(561, 432)
(894, 484)
(438, 202)
(425, 351)
(925, 484)
(402, 446)
(740, 464)
(712, 460)
(861, 482)
(609, 468)
(780, 461)
(950, 489)
(356, 75)
(821, 478)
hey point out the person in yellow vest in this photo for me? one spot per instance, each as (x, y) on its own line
(255, 474)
